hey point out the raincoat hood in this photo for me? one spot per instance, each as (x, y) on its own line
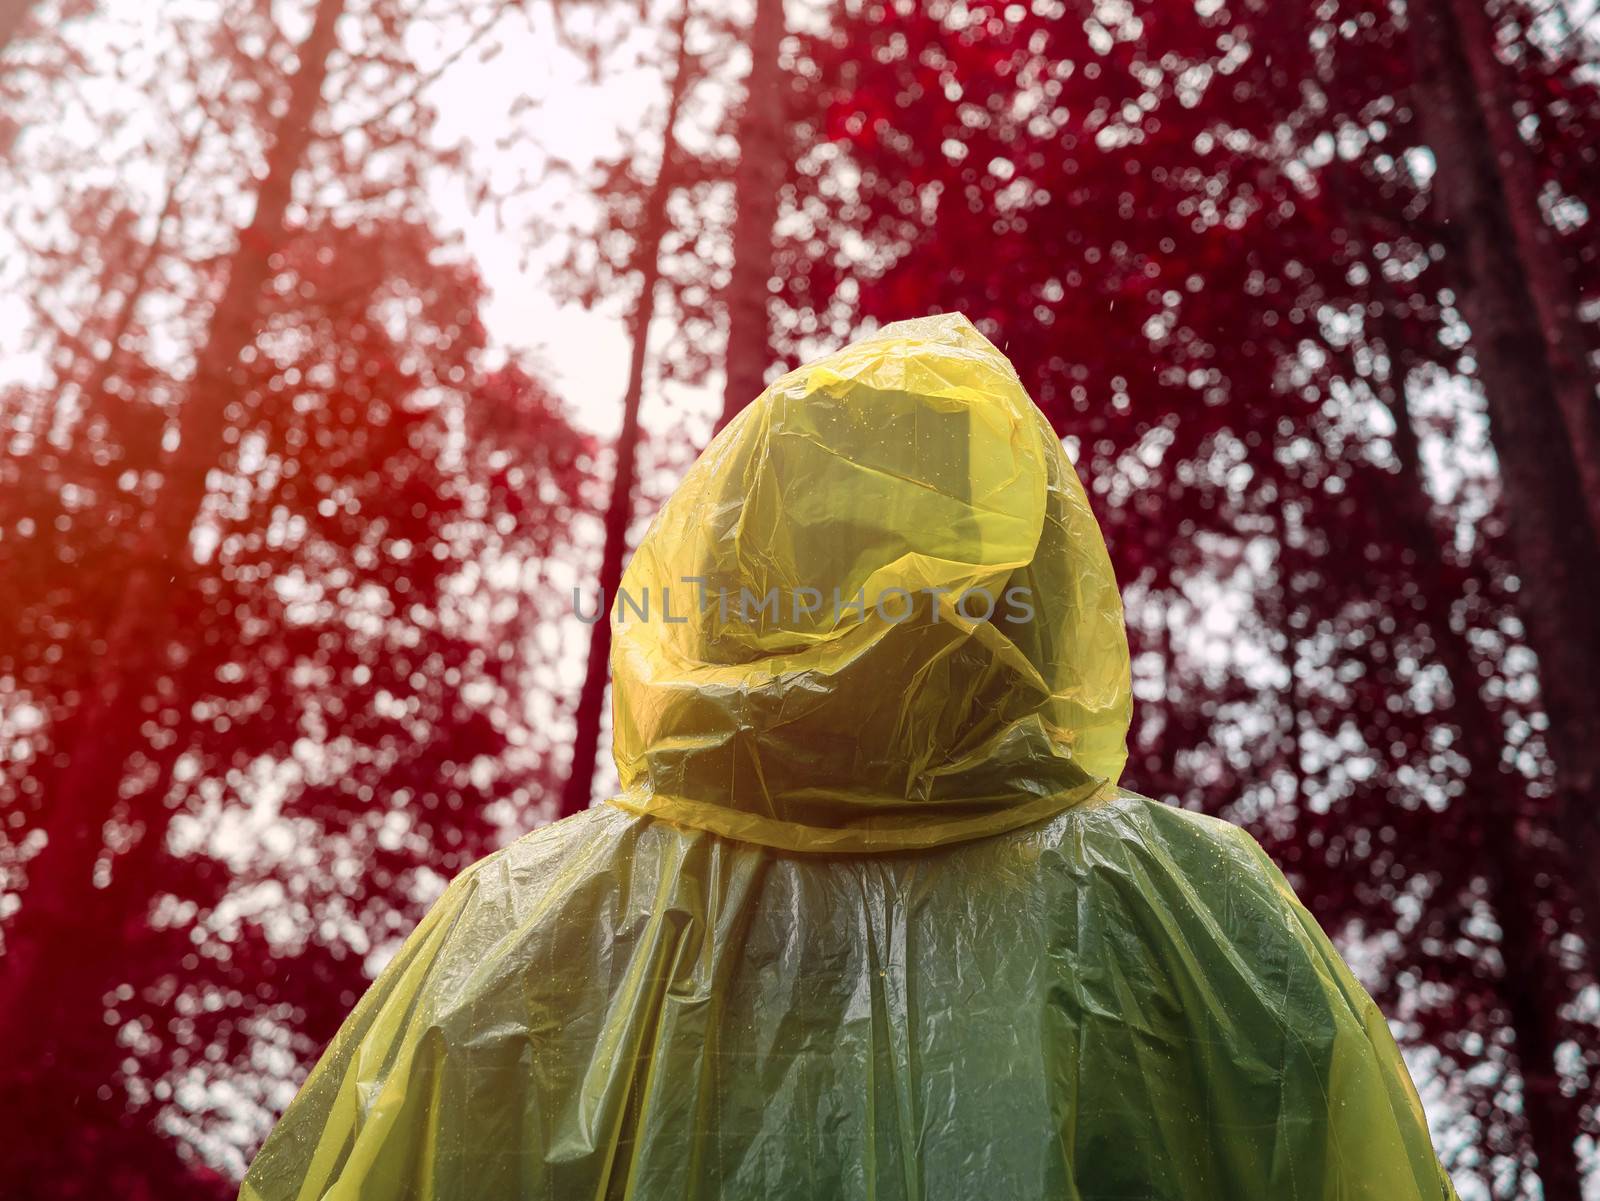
(877, 614)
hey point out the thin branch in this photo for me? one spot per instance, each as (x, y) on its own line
(427, 78)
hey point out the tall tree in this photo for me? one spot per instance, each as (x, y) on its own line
(1469, 33)
(1497, 818)
(646, 236)
(708, 227)
(1532, 362)
(107, 727)
(763, 157)
(271, 532)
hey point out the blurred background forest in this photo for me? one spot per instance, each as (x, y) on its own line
(341, 339)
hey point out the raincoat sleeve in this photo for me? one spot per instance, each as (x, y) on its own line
(370, 1091)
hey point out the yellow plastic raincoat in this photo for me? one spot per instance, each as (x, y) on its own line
(871, 917)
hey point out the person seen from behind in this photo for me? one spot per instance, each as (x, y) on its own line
(871, 916)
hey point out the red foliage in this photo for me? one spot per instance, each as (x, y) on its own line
(321, 711)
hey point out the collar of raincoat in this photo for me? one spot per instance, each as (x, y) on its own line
(911, 472)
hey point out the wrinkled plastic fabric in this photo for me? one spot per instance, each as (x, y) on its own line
(870, 918)
(979, 683)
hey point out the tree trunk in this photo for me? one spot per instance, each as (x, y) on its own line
(58, 1078)
(1567, 343)
(576, 794)
(106, 730)
(1555, 548)
(1529, 984)
(756, 181)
